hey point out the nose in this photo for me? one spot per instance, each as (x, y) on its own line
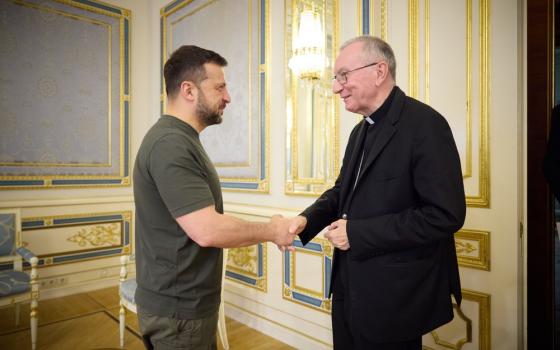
(336, 86)
(227, 97)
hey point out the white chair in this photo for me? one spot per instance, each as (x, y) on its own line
(127, 288)
(17, 286)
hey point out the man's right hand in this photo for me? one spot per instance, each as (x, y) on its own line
(296, 225)
(281, 230)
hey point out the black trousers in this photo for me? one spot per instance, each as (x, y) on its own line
(343, 337)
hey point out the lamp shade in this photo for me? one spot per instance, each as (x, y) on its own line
(308, 59)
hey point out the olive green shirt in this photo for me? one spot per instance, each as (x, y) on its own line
(174, 176)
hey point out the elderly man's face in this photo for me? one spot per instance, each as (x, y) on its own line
(359, 90)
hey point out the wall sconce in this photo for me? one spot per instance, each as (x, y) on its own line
(311, 111)
(308, 46)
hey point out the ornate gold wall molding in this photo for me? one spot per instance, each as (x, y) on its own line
(96, 235)
(473, 249)
(413, 48)
(483, 322)
(312, 148)
(314, 299)
(371, 21)
(99, 235)
(238, 172)
(62, 155)
(248, 266)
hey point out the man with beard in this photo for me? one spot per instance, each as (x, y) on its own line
(180, 225)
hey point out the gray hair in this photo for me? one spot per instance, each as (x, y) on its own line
(374, 47)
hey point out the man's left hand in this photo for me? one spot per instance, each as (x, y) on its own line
(337, 235)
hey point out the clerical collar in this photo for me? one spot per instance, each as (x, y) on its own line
(380, 112)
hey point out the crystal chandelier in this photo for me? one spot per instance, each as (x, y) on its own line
(307, 61)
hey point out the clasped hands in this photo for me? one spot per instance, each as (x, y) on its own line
(285, 230)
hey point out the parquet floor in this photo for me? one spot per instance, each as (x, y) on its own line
(89, 321)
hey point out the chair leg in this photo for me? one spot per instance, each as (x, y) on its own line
(17, 314)
(222, 332)
(34, 302)
(33, 321)
(122, 317)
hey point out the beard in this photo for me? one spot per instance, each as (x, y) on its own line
(206, 113)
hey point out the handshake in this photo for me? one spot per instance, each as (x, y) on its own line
(284, 231)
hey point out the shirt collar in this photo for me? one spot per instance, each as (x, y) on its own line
(176, 122)
(380, 112)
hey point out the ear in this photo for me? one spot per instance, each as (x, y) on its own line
(382, 70)
(188, 90)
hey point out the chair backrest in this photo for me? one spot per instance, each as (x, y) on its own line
(10, 231)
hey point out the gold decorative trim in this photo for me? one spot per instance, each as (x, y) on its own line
(260, 281)
(413, 13)
(94, 237)
(464, 249)
(167, 37)
(242, 258)
(304, 290)
(484, 317)
(93, 21)
(427, 51)
(468, 160)
(482, 200)
(250, 91)
(97, 236)
(484, 323)
(313, 186)
(360, 16)
(384, 22)
(124, 180)
(125, 12)
(459, 344)
(326, 251)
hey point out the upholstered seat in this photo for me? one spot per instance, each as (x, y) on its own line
(16, 285)
(127, 289)
(13, 282)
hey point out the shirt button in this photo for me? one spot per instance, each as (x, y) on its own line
(344, 216)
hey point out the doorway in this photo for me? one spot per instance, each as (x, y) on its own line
(541, 322)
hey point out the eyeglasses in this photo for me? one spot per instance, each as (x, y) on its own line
(342, 77)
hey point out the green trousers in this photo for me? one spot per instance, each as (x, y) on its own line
(165, 333)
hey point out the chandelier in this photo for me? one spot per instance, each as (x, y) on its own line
(308, 58)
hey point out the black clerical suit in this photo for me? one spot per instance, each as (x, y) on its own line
(403, 208)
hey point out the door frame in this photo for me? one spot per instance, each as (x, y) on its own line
(539, 231)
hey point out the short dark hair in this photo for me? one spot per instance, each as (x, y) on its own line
(187, 64)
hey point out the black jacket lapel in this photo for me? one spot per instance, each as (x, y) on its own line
(387, 131)
(354, 159)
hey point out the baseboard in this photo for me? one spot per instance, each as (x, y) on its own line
(60, 285)
(76, 288)
(289, 329)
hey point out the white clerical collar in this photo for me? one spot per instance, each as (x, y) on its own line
(369, 120)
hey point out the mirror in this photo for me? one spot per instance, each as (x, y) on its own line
(312, 162)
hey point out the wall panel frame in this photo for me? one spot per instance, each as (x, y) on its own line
(65, 91)
(63, 239)
(239, 147)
